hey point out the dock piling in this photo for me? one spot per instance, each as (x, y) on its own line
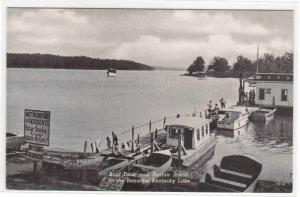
(132, 138)
(152, 142)
(179, 149)
(150, 127)
(84, 148)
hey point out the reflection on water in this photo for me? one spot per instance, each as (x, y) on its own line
(271, 143)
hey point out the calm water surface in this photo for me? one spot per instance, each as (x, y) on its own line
(86, 105)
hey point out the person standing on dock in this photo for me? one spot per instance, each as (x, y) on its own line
(247, 98)
(216, 108)
(108, 142)
(223, 103)
(115, 140)
(250, 97)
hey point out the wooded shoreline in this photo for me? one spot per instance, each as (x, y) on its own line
(48, 61)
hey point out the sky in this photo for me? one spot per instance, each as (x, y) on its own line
(161, 38)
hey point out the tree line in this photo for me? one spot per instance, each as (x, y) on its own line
(266, 64)
(18, 60)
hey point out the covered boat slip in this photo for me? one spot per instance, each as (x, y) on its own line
(237, 173)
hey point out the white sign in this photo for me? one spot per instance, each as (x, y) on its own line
(37, 127)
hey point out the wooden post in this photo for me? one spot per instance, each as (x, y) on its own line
(179, 148)
(84, 149)
(150, 127)
(83, 171)
(151, 141)
(156, 133)
(138, 140)
(132, 138)
(164, 123)
(35, 167)
(113, 149)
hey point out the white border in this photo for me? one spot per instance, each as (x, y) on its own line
(147, 4)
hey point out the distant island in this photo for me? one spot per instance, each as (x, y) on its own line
(48, 61)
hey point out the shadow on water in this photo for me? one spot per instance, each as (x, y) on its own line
(277, 132)
(271, 142)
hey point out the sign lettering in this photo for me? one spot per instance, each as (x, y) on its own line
(37, 127)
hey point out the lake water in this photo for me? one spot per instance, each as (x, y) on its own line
(86, 105)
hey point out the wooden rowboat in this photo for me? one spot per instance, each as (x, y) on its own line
(263, 114)
(236, 173)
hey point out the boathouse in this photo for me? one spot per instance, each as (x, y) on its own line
(273, 89)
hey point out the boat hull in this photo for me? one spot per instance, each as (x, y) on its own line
(110, 74)
(14, 142)
(260, 116)
(201, 155)
(236, 173)
(241, 122)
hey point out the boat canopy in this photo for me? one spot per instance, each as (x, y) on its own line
(191, 122)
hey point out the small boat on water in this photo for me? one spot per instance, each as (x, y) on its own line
(263, 114)
(197, 144)
(14, 141)
(111, 72)
(113, 162)
(141, 172)
(232, 118)
(201, 75)
(236, 173)
(156, 162)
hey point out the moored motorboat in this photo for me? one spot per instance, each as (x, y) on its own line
(263, 114)
(111, 72)
(201, 75)
(234, 118)
(146, 169)
(197, 144)
(113, 162)
(14, 141)
(236, 173)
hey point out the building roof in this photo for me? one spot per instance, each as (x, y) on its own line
(287, 77)
(190, 121)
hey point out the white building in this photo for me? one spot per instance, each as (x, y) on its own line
(273, 89)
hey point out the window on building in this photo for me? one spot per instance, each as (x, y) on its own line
(174, 133)
(268, 91)
(206, 129)
(284, 94)
(198, 134)
(202, 131)
(261, 95)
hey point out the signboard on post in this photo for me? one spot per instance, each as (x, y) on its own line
(37, 127)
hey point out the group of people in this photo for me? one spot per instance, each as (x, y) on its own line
(210, 108)
(249, 97)
(115, 143)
